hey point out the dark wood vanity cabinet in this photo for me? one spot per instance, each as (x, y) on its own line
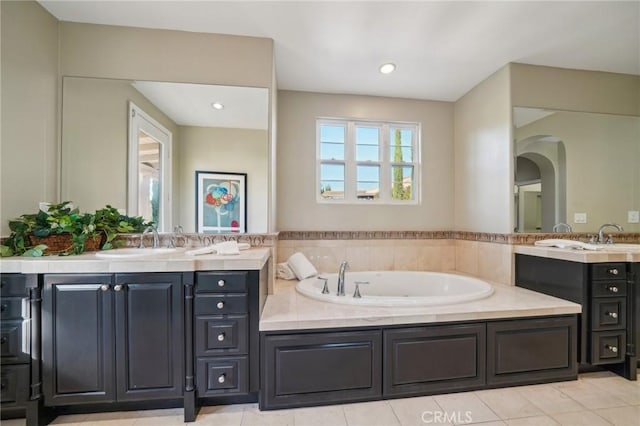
(608, 293)
(18, 342)
(109, 338)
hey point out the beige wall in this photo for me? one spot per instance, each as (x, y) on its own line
(95, 141)
(29, 159)
(603, 164)
(483, 157)
(224, 150)
(296, 176)
(575, 90)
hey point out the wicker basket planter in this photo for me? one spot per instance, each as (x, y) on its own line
(63, 243)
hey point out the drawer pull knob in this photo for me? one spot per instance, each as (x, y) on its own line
(221, 283)
(220, 305)
(613, 289)
(613, 271)
(3, 340)
(118, 287)
(220, 337)
(3, 308)
(104, 287)
(613, 349)
(613, 314)
(221, 378)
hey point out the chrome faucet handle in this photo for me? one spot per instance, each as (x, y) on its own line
(593, 239)
(356, 293)
(141, 245)
(325, 287)
(609, 239)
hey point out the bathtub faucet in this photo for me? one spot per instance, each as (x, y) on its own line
(343, 267)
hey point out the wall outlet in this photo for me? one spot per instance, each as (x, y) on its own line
(579, 218)
(633, 216)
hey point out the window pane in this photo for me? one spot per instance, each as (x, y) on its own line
(332, 142)
(367, 143)
(402, 183)
(368, 184)
(401, 145)
(332, 181)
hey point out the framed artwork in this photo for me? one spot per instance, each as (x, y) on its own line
(221, 202)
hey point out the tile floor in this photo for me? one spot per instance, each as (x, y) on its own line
(599, 398)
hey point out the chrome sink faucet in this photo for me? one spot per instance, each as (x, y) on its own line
(558, 226)
(156, 238)
(343, 267)
(601, 238)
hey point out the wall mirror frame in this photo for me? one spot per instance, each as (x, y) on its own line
(574, 167)
(94, 152)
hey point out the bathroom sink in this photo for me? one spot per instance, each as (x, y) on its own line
(125, 253)
(633, 248)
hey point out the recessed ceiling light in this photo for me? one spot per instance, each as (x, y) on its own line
(387, 68)
(217, 105)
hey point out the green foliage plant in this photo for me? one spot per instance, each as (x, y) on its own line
(62, 218)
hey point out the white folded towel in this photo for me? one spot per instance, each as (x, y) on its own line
(566, 244)
(301, 266)
(284, 272)
(224, 248)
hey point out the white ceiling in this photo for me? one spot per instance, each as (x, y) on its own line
(442, 49)
(190, 104)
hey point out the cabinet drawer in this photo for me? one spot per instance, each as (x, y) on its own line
(608, 347)
(609, 288)
(219, 334)
(14, 308)
(219, 304)
(222, 376)
(14, 343)
(221, 282)
(14, 384)
(608, 271)
(13, 285)
(608, 313)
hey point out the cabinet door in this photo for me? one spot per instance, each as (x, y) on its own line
(320, 368)
(149, 337)
(433, 359)
(77, 339)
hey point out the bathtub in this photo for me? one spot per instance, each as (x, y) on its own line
(398, 288)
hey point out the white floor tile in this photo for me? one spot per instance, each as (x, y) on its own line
(621, 416)
(508, 404)
(466, 406)
(254, 417)
(580, 418)
(320, 416)
(377, 413)
(422, 410)
(532, 421)
(549, 399)
(221, 415)
(589, 395)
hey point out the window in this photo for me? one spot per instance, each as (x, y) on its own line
(368, 162)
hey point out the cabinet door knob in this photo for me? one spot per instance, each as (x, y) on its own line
(118, 287)
(220, 305)
(3, 340)
(221, 378)
(104, 287)
(221, 283)
(613, 271)
(221, 337)
(613, 289)
(3, 308)
(613, 349)
(613, 314)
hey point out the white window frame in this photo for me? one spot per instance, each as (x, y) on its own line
(139, 120)
(384, 161)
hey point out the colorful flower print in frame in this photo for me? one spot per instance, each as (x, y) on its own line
(221, 202)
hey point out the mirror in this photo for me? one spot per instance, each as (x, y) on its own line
(94, 142)
(582, 169)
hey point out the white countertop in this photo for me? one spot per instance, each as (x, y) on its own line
(289, 310)
(582, 256)
(252, 259)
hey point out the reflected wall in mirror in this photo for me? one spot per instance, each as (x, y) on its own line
(569, 163)
(94, 148)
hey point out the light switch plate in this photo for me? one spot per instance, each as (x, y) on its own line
(633, 216)
(579, 218)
